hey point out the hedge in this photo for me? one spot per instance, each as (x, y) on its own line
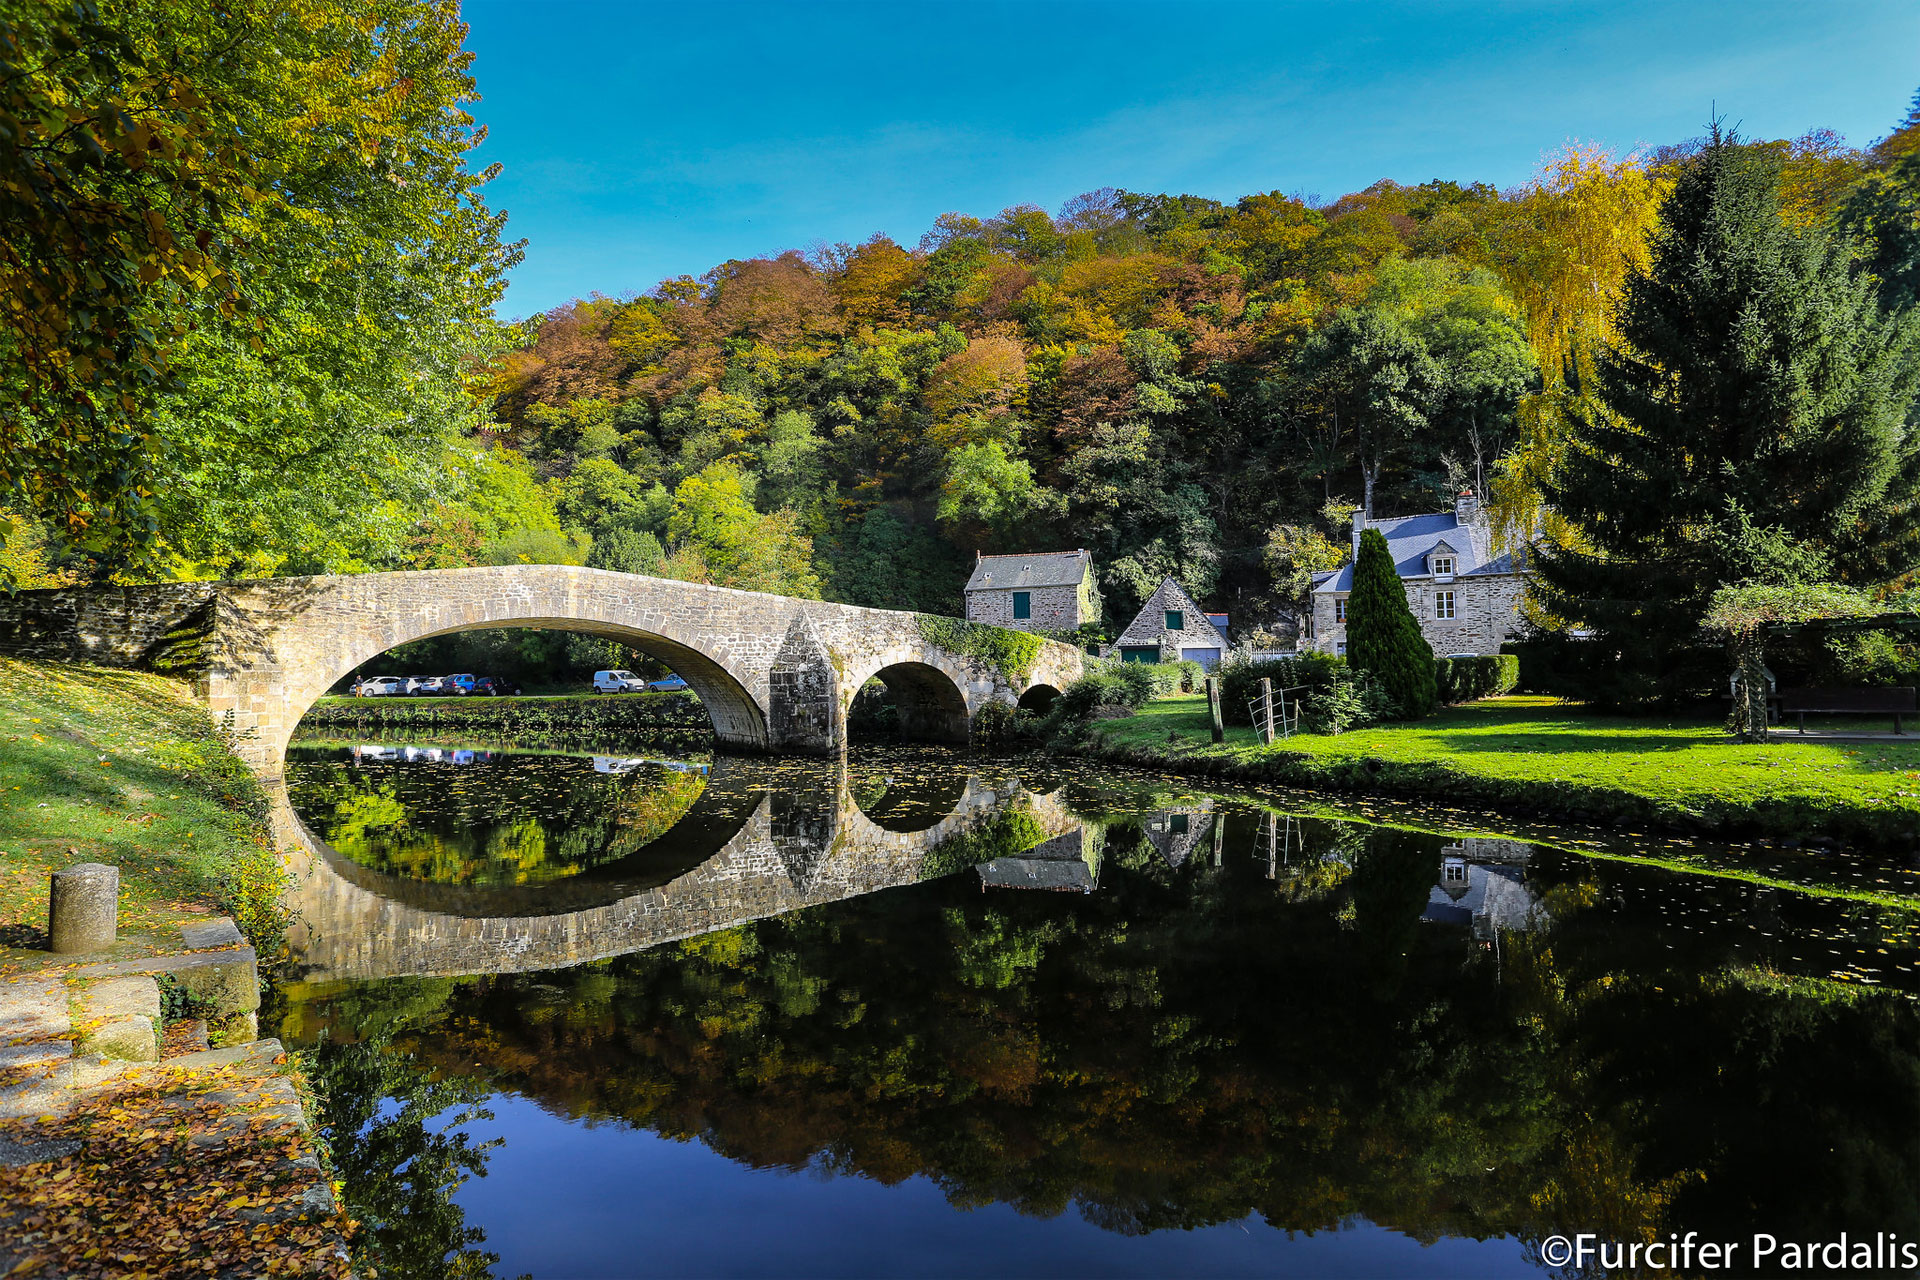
(1469, 679)
(512, 715)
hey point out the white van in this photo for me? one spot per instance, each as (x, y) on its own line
(617, 682)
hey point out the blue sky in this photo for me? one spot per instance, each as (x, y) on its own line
(646, 140)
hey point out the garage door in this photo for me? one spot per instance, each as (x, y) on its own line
(1139, 653)
(1208, 658)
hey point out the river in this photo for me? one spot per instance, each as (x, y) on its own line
(933, 1013)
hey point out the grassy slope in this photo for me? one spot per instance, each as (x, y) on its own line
(119, 767)
(1535, 751)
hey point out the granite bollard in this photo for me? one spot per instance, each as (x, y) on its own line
(83, 908)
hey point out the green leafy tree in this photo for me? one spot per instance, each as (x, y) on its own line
(1751, 427)
(259, 274)
(1376, 376)
(1383, 639)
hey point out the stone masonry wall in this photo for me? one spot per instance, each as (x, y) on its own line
(774, 673)
(1485, 614)
(1054, 609)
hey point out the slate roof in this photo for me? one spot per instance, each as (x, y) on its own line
(1512, 562)
(1037, 873)
(1411, 539)
(1031, 569)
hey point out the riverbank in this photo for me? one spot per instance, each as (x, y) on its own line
(571, 713)
(122, 767)
(1534, 757)
(143, 1126)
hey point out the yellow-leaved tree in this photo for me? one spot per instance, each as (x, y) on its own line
(1563, 246)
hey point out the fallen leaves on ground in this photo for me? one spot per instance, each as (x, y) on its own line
(139, 1198)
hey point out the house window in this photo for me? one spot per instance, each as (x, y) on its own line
(1176, 620)
(1443, 566)
(1456, 873)
(1339, 608)
(1443, 604)
(1023, 604)
(1179, 824)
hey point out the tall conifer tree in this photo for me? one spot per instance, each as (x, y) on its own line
(1752, 426)
(1382, 637)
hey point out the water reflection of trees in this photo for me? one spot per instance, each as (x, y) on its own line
(512, 820)
(1193, 1044)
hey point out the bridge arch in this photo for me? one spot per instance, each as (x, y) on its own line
(1038, 698)
(737, 716)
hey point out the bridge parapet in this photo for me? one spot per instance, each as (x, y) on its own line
(775, 673)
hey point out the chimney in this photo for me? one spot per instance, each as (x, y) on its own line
(1359, 527)
(1466, 507)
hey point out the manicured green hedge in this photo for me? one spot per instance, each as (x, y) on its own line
(1469, 679)
(507, 715)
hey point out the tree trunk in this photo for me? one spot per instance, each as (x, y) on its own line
(1750, 690)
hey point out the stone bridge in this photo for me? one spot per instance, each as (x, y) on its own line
(775, 674)
(758, 842)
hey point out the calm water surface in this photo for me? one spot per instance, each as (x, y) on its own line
(938, 1014)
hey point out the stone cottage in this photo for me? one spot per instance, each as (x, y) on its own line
(1035, 591)
(1466, 599)
(1170, 627)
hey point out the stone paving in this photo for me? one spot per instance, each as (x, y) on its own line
(88, 1101)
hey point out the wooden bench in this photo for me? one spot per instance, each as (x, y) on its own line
(1891, 701)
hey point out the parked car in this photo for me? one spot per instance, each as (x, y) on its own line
(617, 682)
(495, 686)
(672, 684)
(422, 686)
(380, 687)
(460, 685)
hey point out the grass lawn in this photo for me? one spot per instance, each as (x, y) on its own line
(1537, 748)
(99, 765)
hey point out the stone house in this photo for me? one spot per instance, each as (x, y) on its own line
(1466, 599)
(1170, 627)
(1046, 591)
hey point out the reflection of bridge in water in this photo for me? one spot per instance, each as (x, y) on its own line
(763, 838)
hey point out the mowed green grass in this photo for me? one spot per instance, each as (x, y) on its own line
(120, 767)
(1683, 762)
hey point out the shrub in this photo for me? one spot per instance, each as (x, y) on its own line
(1335, 709)
(1240, 679)
(1382, 636)
(1111, 684)
(1193, 676)
(999, 725)
(1466, 679)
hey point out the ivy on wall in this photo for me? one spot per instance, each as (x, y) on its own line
(1011, 652)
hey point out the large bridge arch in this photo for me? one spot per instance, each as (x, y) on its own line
(737, 716)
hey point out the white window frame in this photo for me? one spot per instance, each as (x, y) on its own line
(1445, 607)
(1443, 568)
(1340, 609)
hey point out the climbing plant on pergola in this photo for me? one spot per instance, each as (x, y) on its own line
(1748, 616)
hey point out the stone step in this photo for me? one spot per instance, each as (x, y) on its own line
(260, 1053)
(227, 980)
(220, 931)
(33, 1009)
(120, 1018)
